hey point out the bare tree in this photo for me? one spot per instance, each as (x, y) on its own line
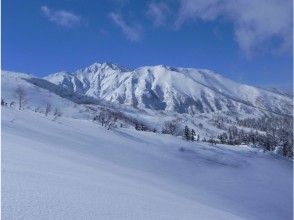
(56, 114)
(111, 123)
(48, 109)
(21, 95)
(107, 118)
(170, 127)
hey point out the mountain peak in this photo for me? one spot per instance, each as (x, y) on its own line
(105, 66)
(182, 90)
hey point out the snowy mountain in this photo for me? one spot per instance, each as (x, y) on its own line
(181, 90)
(151, 96)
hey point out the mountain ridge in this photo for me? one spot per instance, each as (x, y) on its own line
(154, 98)
(160, 87)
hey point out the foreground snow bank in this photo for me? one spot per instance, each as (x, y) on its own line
(73, 169)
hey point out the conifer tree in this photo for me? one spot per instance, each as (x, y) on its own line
(187, 133)
(193, 135)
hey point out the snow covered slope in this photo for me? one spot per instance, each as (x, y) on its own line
(182, 90)
(74, 169)
(37, 98)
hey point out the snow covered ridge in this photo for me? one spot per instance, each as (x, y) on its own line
(182, 90)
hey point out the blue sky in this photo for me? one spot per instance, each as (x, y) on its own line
(248, 41)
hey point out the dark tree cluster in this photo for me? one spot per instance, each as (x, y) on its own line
(267, 132)
(235, 136)
(3, 103)
(190, 134)
(141, 127)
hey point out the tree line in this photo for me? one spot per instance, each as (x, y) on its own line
(267, 132)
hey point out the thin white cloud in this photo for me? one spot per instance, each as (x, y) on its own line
(158, 12)
(132, 32)
(61, 17)
(256, 22)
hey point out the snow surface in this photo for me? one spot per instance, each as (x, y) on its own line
(75, 169)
